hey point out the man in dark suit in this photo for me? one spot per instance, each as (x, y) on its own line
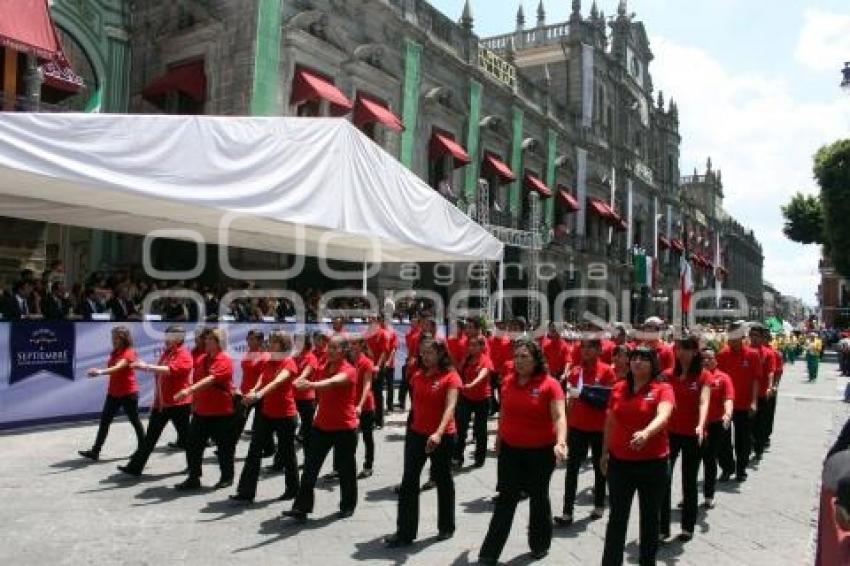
(90, 304)
(56, 305)
(17, 305)
(121, 306)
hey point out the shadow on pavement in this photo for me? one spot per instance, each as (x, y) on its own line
(283, 528)
(79, 463)
(375, 549)
(227, 508)
(122, 481)
(480, 505)
(166, 493)
(578, 527)
(383, 494)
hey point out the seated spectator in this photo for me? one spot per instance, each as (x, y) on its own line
(90, 304)
(56, 304)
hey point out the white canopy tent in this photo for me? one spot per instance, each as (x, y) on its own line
(315, 187)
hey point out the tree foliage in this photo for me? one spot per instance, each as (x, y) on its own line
(832, 171)
(804, 219)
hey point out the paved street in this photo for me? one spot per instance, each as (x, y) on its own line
(57, 509)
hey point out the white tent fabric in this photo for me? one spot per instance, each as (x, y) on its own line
(293, 185)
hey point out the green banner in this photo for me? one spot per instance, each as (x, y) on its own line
(551, 156)
(516, 162)
(412, 80)
(473, 139)
(265, 96)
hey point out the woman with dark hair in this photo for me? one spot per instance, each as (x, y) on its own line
(123, 391)
(692, 391)
(277, 415)
(474, 401)
(172, 373)
(305, 400)
(335, 427)
(621, 361)
(635, 454)
(212, 411)
(430, 435)
(532, 437)
(720, 409)
(366, 370)
(253, 363)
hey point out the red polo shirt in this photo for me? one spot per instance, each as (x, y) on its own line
(302, 361)
(429, 394)
(378, 343)
(178, 378)
(666, 355)
(501, 351)
(743, 367)
(633, 413)
(458, 347)
(280, 403)
(217, 399)
(337, 405)
(778, 363)
(556, 352)
(392, 346)
(252, 366)
(122, 382)
(768, 366)
(583, 416)
(687, 391)
(414, 335)
(365, 368)
(526, 416)
(469, 373)
(722, 390)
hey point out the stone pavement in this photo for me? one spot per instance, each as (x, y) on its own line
(58, 509)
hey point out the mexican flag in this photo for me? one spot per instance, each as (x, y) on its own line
(686, 279)
(645, 269)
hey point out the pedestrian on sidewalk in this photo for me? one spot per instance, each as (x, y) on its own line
(172, 373)
(812, 359)
(122, 392)
(531, 439)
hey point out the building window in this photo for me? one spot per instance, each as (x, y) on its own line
(309, 109)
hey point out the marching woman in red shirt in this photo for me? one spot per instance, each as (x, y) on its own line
(431, 434)
(278, 415)
(719, 421)
(635, 457)
(212, 412)
(172, 373)
(305, 399)
(589, 385)
(474, 401)
(692, 390)
(123, 391)
(366, 371)
(335, 427)
(252, 364)
(532, 436)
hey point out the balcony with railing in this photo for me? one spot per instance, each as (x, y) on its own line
(534, 37)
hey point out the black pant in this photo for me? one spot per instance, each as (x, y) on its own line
(760, 426)
(495, 392)
(130, 404)
(344, 444)
(710, 453)
(726, 458)
(306, 412)
(264, 429)
(221, 429)
(179, 416)
(520, 470)
(367, 427)
(441, 472)
(771, 413)
(742, 421)
(403, 388)
(480, 412)
(579, 441)
(378, 394)
(649, 479)
(243, 413)
(689, 447)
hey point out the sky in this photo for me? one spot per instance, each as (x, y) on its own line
(757, 85)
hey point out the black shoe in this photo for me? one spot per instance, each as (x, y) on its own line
(685, 536)
(288, 495)
(428, 485)
(395, 541)
(479, 464)
(331, 477)
(564, 520)
(299, 516)
(345, 513)
(725, 477)
(189, 485)
(130, 471)
(176, 446)
(539, 554)
(90, 454)
(397, 489)
(445, 535)
(487, 560)
(222, 483)
(269, 452)
(237, 498)
(365, 473)
(741, 478)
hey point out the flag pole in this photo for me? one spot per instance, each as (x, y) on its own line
(683, 274)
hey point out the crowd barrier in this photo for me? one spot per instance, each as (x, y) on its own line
(43, 365)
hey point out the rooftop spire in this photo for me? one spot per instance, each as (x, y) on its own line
(466, 19)
(622, 8)
(660, 100)
(541, 15)
(576, 10)
(520, 17)
(594, 11)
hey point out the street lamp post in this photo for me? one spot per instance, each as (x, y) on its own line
(845, 73)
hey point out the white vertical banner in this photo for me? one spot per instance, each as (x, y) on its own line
(587, 52)
(581, 190)
(630, 233)
(655, 227)
(718, 283)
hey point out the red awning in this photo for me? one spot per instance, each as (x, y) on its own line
(60, 80)
(442, 144)
(569, 201)
(493, 164)
(309, 86)
(25, 26)
(370, 111)
(603, 210)
(532, 183)
(618, 222)
(677, 245)
(188, 78)
(664, 242)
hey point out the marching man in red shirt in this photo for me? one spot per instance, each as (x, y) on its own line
(760, 341)
(589, 385)
(123, 391)
(719, 423)
(172, 373)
